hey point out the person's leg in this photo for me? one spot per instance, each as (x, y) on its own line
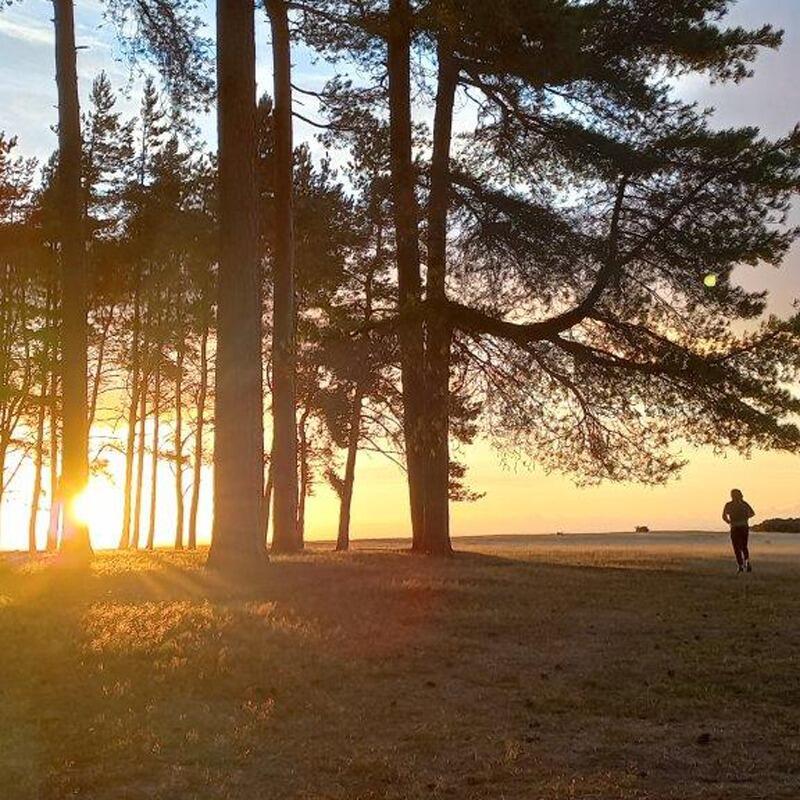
(737, 548)
(745, 549)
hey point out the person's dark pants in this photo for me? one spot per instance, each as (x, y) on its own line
(739, 537)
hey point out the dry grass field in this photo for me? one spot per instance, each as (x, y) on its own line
(547, 667)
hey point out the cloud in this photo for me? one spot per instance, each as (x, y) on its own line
(30, 32)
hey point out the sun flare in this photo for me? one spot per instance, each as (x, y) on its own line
(97, 506)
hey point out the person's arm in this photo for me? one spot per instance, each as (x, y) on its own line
(726, 514)
(750, 512)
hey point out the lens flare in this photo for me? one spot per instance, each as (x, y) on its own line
(710, 280)
(97, 507)
(81, 510)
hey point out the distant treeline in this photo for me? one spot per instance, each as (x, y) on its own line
(791, 525)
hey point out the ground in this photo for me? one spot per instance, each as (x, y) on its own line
(545, 667)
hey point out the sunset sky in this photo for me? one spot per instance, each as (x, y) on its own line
(521, 500)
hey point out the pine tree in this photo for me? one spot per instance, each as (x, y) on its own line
(75, 470)
(572, 103)
(237, 544)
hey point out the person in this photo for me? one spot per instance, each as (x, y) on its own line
(737, 513)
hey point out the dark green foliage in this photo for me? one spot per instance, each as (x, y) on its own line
(171, 34)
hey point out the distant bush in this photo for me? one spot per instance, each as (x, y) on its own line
(779, 526)
(642, 529)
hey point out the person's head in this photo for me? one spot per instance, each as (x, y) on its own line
(736, 494)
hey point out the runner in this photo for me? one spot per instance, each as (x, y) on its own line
(737, 513)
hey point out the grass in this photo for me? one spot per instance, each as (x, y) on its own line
(569, 668)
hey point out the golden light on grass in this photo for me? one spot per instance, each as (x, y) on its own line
(710, 280)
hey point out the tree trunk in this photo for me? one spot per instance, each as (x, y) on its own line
(354, 432)
(37, 465)
(284, 450)
(130, 443)
(55, 489)
(406, 216)
(266, 502)
(237, 546)
(151, 529)
(137, 506)
(437, 361)
(197, 467)
(3, 449)
(55, 494)
(75, 468)
(354, 437)
(304, 476)
(98, 373)
(179, 448)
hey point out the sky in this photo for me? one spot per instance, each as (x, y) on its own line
(517, 501)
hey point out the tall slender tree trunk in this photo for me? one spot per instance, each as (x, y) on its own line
(179, 448)
(437, 353)
(406, 217)
(38, 465)
(75, 469)
(137, 506)
(197, 466)
(130, 442)
(98, 372)
(354, 431)
(151, 529)
(304, 479)
(237, 545)
(284, 450)
(267, 498)
(53, 484)
(353, 439)
(3, 450)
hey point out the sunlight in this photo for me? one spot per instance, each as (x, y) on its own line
(95, 507)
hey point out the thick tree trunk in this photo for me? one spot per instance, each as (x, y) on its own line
(151, 529)
(137, 506)
(237, 545)
(437, 354)
(406, 217)
(179, 448)
(38, 464)
(75, 469)
(353, 439)
(284, 451)
(197, 466)
(130, 442)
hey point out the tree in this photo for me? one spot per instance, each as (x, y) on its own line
(19, 373)
(283, 462)
(237, 544)
(648, 181)
(142, 212)
(75, 469)
(438, 344)
(568, 98)
(409, 281)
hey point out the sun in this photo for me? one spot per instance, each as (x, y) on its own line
(97, 507)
